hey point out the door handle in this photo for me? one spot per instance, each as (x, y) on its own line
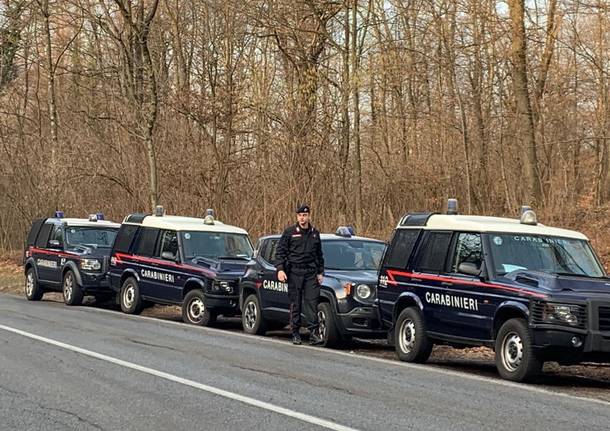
(446, 283)
(417, 280)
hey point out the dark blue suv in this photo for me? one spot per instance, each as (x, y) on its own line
(187, 261)
(69, 255)
(347, 293)
(531, 292)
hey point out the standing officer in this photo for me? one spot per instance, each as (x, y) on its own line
(300, 261)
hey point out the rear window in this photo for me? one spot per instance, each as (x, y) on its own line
(433, 252)
(401, 247)
(31, 239)
(125, 237)
(146, 241)
(43, 235)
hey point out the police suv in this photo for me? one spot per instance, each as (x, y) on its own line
(68, 255)
(347, 292)
(533, 293)
(185, 261)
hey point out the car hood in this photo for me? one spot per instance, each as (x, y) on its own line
(358, 277)
(559, 284)
(223, 268)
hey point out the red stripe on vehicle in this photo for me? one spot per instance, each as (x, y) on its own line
(121, 256)
(391, 280)
(53, 252)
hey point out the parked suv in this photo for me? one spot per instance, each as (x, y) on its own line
(68, 255)
(187, 261)
(533, 293)
(347, 293)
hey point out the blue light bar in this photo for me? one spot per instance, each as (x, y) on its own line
(59, 214)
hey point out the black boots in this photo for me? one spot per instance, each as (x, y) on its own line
(296, 338)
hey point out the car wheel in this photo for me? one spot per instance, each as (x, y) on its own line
(194, 310)
(33, 291)
(411, 340)
(515, 356)
(73, 294)
(328, 325)
(129, 297)
(252, 317)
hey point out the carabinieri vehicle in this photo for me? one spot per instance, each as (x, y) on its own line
(347, 292)
(68, 255)
(185, 261)
(533, 293)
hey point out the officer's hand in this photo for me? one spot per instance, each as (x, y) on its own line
(281, 275)
(320, 278)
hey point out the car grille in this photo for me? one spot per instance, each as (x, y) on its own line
(536, 314)
(604, 318)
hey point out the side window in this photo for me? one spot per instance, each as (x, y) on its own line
(401, 247)
(263, 248)
(57, 235)
(43, 236)
(31, 240)
(467, 249)
(168, 245)
(271, 251)
(125, 237)
(433, 252)
(147, 241)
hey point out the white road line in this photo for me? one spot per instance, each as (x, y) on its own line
(355, 356)
(216, 391)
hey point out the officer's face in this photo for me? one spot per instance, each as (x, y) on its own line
(303, 218)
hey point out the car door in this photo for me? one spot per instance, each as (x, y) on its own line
(274, 292)
(145, 264)
(56, 245)
(167, 286)
(471, 315)
(43, 256)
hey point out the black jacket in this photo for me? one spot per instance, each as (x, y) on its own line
(300, 249)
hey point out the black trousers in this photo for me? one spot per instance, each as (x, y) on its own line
(303, 291)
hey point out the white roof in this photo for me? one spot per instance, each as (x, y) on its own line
(179, 223)
(87, 223)
(470, 223)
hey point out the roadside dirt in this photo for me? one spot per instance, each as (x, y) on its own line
(588, 380)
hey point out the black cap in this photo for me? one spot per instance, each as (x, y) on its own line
(303, 209)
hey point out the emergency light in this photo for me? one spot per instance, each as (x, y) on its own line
(92, 217)
(452, 206)
(528, 216)
(59, 214)
(344, 231)
(209, 216)
(159, 211)
(99, 215)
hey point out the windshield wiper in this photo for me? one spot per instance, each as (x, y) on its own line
(234, 257)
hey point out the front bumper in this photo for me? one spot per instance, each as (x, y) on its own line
(222, 304)
(95, 282)
(361, 322)
(571, 346)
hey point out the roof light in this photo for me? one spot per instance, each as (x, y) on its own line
(59, 214)
(159, 211)
(528, 216)
(352, 230)
(344, 231)
(92, 217)
(100, 215)
(452, 206)
(209, 216)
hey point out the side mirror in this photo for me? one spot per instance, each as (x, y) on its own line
(469, 268)
(168, 255)
(55, 244)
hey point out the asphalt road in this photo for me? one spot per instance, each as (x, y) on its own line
(85, 368)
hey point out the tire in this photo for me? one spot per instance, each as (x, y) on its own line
(129, 297)
(194, 310)
(72, 292)
(252, 317)
(328, 325)
(410, 339)
(33, 291)
(515, 356)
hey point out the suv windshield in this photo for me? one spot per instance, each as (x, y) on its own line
(352, 255)
(562, 256)
(97, 237)
(215, 245)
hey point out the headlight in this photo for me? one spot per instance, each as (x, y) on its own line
(363, 291)
(222, 287)
(90, 264)
(560, 314)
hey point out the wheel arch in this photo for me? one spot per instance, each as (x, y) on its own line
(506, 311)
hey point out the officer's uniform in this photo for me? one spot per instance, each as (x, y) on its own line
(299, 254)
